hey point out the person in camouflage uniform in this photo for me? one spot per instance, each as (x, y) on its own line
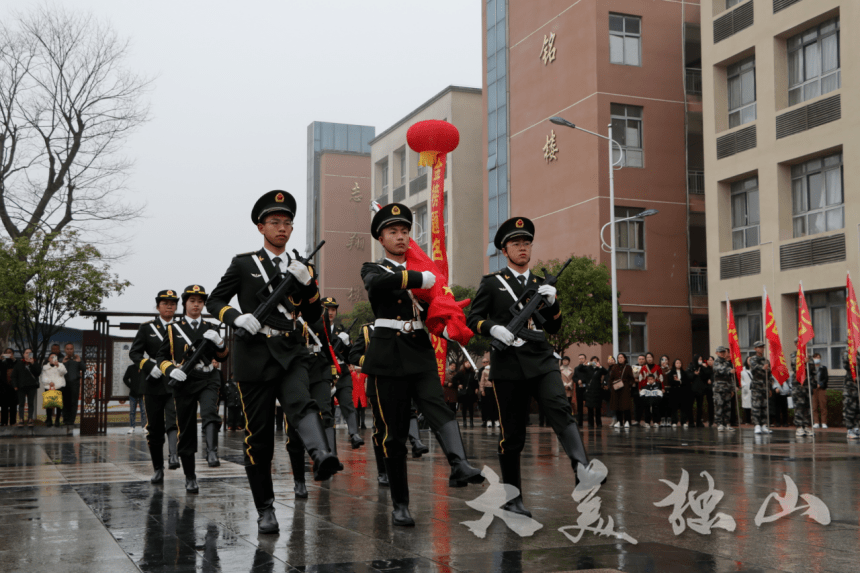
(759, 388)
(800, 398)
(850, 402)
(724, 389)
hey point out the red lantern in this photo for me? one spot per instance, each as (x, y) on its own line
(432, 138)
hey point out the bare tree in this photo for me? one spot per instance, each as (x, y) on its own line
(67, 105)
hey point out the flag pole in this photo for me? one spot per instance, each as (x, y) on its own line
(805, 360)
(767, 386)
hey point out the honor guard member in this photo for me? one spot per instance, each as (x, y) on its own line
(724, 389)
(157, 396)
(272, 361)
(850, 399)
(759, 388)
(524, 369)
(401, 360)
(338, 338)
(202, 384)
(356, 357)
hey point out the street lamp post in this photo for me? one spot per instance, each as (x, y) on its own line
(613, 264)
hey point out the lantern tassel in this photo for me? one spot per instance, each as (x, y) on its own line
(428, 158)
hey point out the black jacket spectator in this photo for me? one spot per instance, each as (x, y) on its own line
(594, 387)
(821, 378)
(26, 376)
(131, 378)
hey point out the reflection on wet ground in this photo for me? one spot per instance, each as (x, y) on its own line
(85, 505)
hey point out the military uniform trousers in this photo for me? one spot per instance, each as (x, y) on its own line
(758, 396)
(850, 404)
(160, 419)
(392, 407)
(290, 387)
(513, 398)
(320, 391)
(186, 395)
(722, 402)
(800, 397)
(343, 394)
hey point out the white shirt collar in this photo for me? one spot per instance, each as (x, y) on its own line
(163, 322)
(283, 257)
(527, 274)
(198, 319)
(395, 263)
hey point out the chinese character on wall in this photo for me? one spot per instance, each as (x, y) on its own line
(355, 240)
(356, 193)
(547, 51)
(550, 149)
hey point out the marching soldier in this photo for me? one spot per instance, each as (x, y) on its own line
(759, 388)
(272, 361)
(157, 397)
(724, 389)
(201, 385)
(356, 357)
(339, 341)
(850, 399)
(800, 398)
(401, 360)
(525, 368)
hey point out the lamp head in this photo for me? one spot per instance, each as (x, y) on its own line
(562, 122)
(648, 212)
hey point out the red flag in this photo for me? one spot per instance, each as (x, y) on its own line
(778, 366)
(853, 327)
(805, 334)
(734, 344)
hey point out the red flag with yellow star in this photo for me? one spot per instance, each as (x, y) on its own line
(853, 327)
(734, 343)
(778, 366)
(805, 334)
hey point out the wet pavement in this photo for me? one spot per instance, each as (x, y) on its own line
(73, 504)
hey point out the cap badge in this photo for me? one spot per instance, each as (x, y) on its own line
(170, 294)
(196, 288)
(279, 198)
(520, 224)
(395, 210)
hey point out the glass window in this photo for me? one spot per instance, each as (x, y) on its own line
(629, 239)
(748, 321)
(813, 62)
(732, 3)
(635, 342)
(625, 40)
(827, 309)
(403, 167)
(741, 80)
(627, 131)
(421, 230)
(383, 176)
(817, 200)
(745, 213)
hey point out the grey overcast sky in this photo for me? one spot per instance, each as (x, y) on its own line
(236, 85)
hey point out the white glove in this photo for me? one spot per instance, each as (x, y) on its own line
(248, 322)
(549, 292)
(178, 375)
(300, 271)
(344, 337)
(502, 334)
(445, 333)
(428, 279)
(155, 373)
(213, 336)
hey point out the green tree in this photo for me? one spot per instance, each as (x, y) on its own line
(478, 345)
(360, 314)
(585, 298)
(49, 280)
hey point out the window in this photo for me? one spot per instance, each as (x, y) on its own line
(629, 239)
(732, 3)
(745, 213)
(816, 196)
(635, 342)
(403, 167)
(748, 322)
(741, 79)
(421, 227)
(383, 176)
(625, 40)
(829, 324)
(813, 62)
(627, 131)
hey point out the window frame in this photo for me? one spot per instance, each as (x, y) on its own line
(625, 343)
(835, 306)
(421, 219)
(627, 118)
(744, 311)
(383, 176)
(803, 173)
(740, 188)
(800, 88)
(736, 72)
(403, 173)
(624, 35)
(630, 251)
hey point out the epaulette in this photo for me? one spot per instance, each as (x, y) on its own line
(491, 274)
(148, 322)
(244, 254)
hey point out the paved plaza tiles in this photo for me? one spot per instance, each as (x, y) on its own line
(85, 505)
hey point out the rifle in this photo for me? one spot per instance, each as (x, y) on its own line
(187, 366)
(271, 300)
(530, 301)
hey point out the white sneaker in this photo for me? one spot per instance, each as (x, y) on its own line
(758, 429)
(809, 432)
(800, 432)
(815, 426)
(824, 426)
(686, 426)
(130, 430)
(721, 428)
(674, 425)
(627, 425)
(617, 425)
(730, 428)
(764, 429)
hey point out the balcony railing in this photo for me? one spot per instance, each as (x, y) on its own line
(698, 281)
(696, 182)
(693, 81)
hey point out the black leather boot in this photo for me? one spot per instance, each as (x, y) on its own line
(260, 480)
(396, 468)
(510, 464)
(311, 432)
(157, 464)
(352, 427)
(190, 478)
(297, 461)
(172, 460)
(451, 443)
(212, 445)
(418, 447)
(571, 442)
(382, 474)
(331, 438)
